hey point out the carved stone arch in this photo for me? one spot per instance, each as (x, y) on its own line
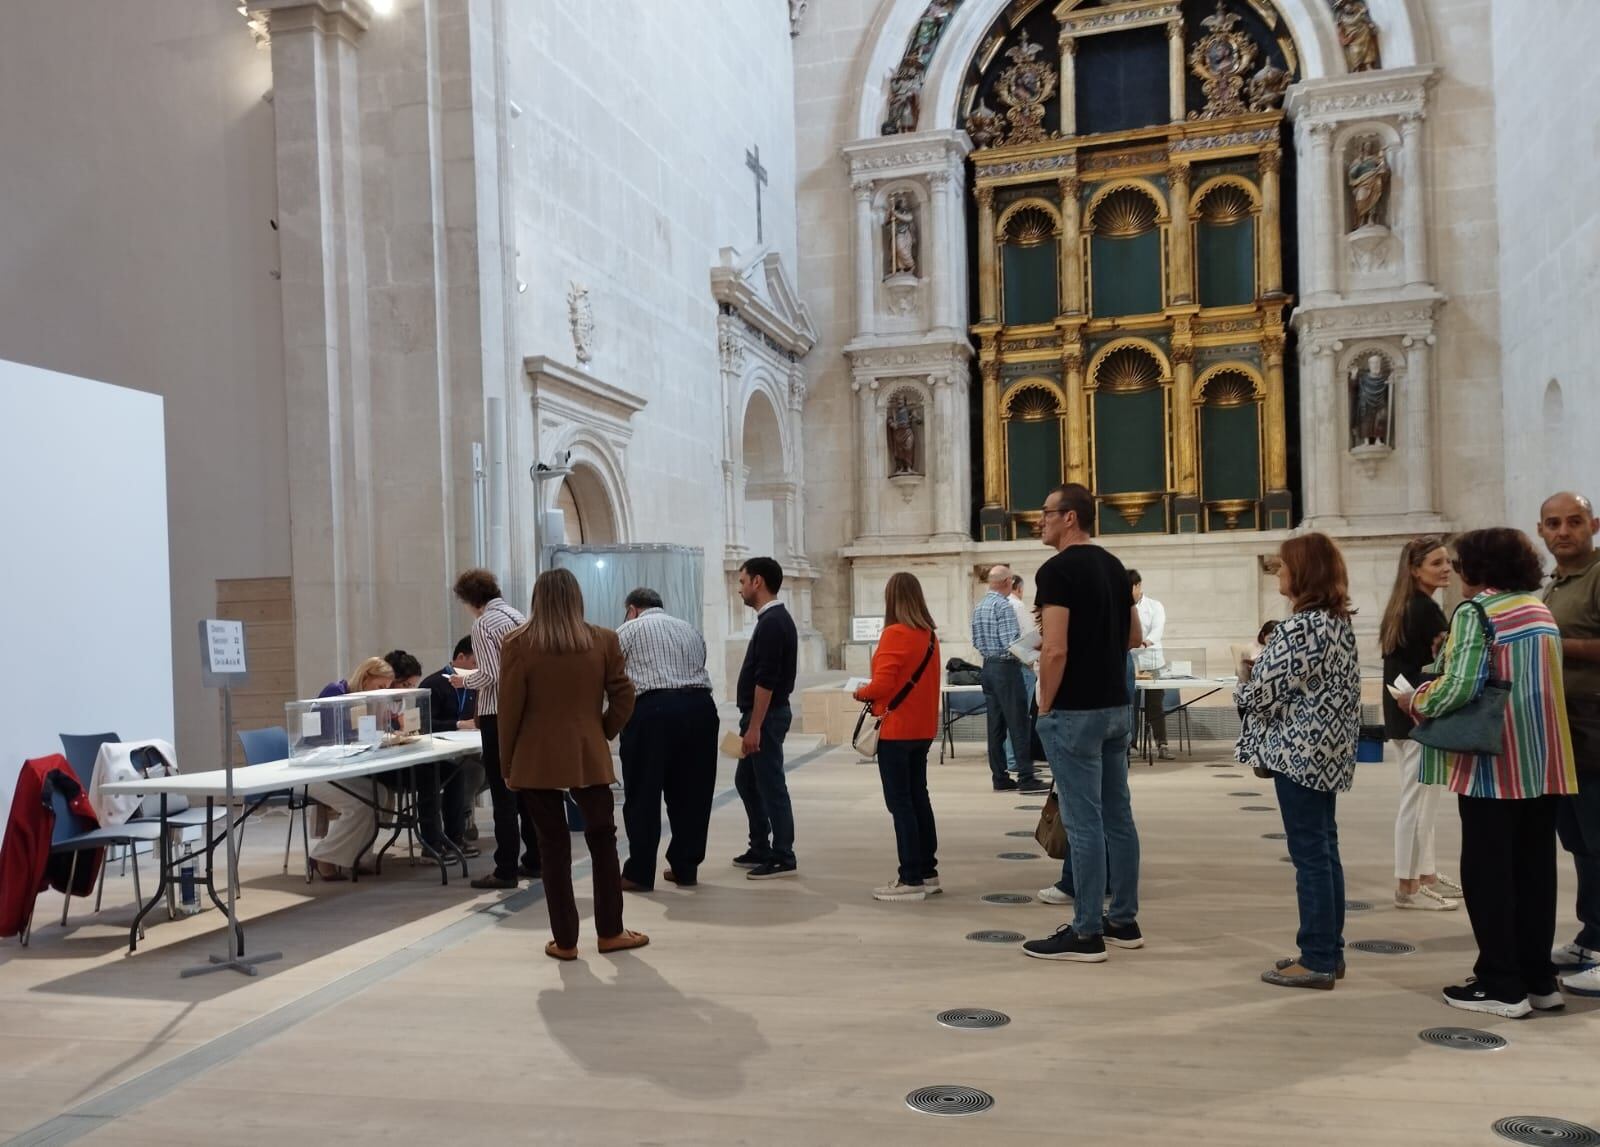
(1144, 186)
(1391, 350)
(1092, 374)
(1033, 382)
(1020, 205)
(1217, 181)
(917, 388)
(761, 381)
(1217, 371)
(599, 481)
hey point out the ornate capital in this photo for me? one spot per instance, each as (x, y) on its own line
(1070, 185)
(991, 372)
(343, 18)
(1272, 347)
(1269, 161)
(1178, 173)
(1411, 121)
(938, 179)
(986, 198)
(1072, 357)
(1182, 354)
(862, 190)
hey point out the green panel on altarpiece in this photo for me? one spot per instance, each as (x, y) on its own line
(1226, 260)
(1130, 446)
(1030, 284)
(1125, 274)
(1230, 452)
(1033, 458)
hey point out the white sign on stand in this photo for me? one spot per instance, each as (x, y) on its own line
(866, 628)
(222, 655)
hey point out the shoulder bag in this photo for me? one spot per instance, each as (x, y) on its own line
(865, 739)
(1479, 726)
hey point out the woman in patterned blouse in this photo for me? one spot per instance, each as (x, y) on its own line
(1302, 710)
(1507, 799)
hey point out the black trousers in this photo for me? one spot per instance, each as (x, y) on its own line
(513, 825)
(669, 749)
(1508, 872)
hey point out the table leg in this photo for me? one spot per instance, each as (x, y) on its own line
(163, 882)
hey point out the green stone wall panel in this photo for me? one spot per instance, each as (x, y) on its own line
(1225, 261)
(1033, 458)
(1030, 284)
(1230, 452)
(1125, 274)
(1130, 442)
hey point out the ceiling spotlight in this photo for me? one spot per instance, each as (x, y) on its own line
(522, 288)
(382, 7)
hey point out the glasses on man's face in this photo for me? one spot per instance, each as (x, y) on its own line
(1047, 511)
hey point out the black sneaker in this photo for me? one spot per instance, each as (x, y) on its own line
(772, 870)
(1066, 944)
(1122, 935)
(750, 859)
(528, 872)
(1034, 785)
(1472, 998)
(1005, 785)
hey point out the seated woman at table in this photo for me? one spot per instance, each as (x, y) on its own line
(349, 834)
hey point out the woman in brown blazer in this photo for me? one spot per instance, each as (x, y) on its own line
(564, 693)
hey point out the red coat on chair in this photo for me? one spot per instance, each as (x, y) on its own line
(26, 866)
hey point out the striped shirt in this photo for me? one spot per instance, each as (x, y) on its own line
(663, 652)
(1537, 759)
(494, 625)
(994, 626)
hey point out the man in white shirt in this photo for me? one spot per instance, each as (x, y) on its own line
(1149, 660)
(1025, 626)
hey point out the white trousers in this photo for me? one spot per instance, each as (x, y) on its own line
(349, 834)
(1419, 810)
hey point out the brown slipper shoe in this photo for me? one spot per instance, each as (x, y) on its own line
(557, 952)
(624, 941)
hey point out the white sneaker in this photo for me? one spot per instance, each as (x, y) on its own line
(930, 885)
(1574, 957)
(1424, 902)
(1546, 1003)
(1054, 895)
(1447, 886)
(898, 891)
(1585, 983)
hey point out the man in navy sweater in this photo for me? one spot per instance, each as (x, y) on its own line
(765, 682)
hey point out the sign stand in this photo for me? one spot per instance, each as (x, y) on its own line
(222, 665)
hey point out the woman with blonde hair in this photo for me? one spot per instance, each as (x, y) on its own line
(1412, 631)
(565, 693)
(904, 693)
(1302, 711)
(354, 828)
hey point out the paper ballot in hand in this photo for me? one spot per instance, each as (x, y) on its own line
(1401, 687)
(1026, 648)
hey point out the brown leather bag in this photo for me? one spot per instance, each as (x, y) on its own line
(1052, 832)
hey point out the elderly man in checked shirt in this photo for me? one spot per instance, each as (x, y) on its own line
(669, 746)
(1005, 693)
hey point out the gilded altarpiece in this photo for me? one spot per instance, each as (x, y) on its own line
(1127, 206)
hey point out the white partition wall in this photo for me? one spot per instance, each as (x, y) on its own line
(85, 609)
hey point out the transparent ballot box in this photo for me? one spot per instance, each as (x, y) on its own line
(338, 728)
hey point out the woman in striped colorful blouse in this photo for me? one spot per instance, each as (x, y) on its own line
(1507, 799)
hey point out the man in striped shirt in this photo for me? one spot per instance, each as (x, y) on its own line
(669, 746)
(493, 621)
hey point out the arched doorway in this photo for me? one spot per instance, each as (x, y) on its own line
(767, 488)
(587, 513)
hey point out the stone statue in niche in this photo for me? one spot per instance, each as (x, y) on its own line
(905, 96)
(904, 425)
(1368, 180)
(1358, 35)
(1371, 401)
(580, 316)
(900, 233)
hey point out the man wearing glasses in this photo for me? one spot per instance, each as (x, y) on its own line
(1005, 694)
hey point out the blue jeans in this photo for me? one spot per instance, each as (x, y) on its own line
(1308, 821)
(1006, 711)
(764, 790)
(1088, 752)
(1029, 683)
(1578, 826)
(903, 769)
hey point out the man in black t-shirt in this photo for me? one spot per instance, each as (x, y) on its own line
(1089, 623)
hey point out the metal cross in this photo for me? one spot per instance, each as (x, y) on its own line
(752, 160)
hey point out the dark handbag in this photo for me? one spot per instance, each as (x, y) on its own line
(1052, 833)
(959, 672)
(865, 739)
(1479, 726)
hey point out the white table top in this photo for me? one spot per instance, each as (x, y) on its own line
(1185, 682)
(271, 776)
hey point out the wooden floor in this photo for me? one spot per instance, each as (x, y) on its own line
(790, 1012)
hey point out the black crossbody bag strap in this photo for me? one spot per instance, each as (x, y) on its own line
(905, 690)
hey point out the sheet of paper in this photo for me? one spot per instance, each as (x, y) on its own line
(1401, 686)
(854, 683)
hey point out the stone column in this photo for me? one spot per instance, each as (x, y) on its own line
(1177, 74)
(797, 471)
(1417, 429)
(1274, 413)
(1323, 429)
(870, 481)
(1069, 87)
(1186, 480)
(1323, 203)
(939, 267)
(1071, 257)
(866, 273)
(1413, 225)
(945, 447)
(988, 303)
(1077, 420)
(993, 478)
(1268, 165)
(327, 374)
(1181, 257)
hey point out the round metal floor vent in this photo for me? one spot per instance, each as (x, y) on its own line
(973, 1018)
(1017, 856)
(949, 1099)
(1021, 832)
(1244, 793)
(1030, 807)
(1462, 1039)
(1358, 906)
(1228, 776)
(994, 936)
(1274, 836)
(1257, 808)
(1543, 1129)
(1384, 947)
(1006, 898)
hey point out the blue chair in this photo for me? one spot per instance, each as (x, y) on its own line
(81, 749)
(272, 744)
(73, 834)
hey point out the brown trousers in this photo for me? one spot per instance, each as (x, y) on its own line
(546, 809)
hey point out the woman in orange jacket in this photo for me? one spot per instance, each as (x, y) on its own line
(904, 691)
